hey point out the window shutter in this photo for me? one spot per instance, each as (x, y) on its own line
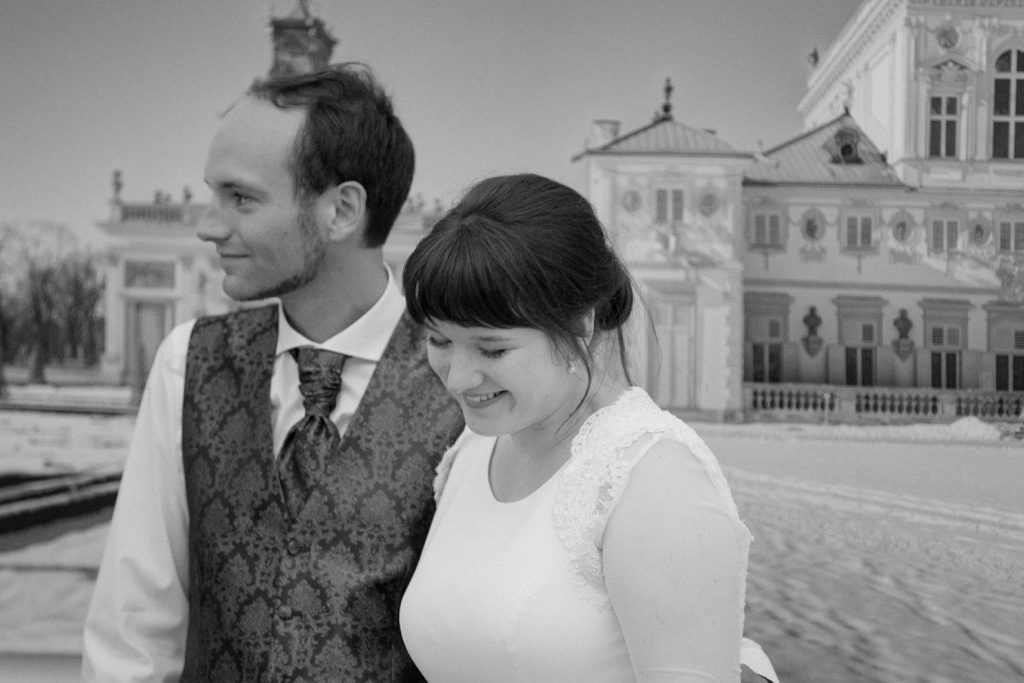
(868, 333)
(677, 205)
(937, 336)
(937, 242)
(775, 329)
(865, 231)
(1018, 340)
(760, 229)
(1004, 237)
(774, 233)
(660, 206)
(953, 336)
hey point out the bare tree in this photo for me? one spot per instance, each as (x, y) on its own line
(59, 288)
(80, 291)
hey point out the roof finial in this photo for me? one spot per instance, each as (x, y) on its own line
(666, 109)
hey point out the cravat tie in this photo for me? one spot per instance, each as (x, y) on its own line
(310, 442)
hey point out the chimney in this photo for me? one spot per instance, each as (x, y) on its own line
(602, 132)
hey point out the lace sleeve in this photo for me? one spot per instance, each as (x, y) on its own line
(604, 452)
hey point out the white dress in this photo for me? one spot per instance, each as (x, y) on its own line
(515, 591)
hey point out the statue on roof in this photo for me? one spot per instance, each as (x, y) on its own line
(666, 108)
(301, 42)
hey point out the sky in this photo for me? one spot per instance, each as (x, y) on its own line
(483, 86)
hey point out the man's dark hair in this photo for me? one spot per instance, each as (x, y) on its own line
(350, 133)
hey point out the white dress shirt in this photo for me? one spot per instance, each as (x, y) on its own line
(137, 622)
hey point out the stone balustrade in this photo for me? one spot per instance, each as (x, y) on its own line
(851, 404)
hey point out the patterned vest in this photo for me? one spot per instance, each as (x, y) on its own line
(317, 600)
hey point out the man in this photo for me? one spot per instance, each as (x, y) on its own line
(242, 549)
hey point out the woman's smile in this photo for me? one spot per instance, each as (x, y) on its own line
(481, 400)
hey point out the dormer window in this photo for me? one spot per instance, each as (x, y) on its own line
(847, 146)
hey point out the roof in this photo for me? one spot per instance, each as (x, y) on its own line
(816, 158)
(667, 136)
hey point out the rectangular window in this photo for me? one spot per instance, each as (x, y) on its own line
(1001, 97)
(1011, 236)
(767, 230)
(767, 363)
(944, 370)
(668, 205)
(860, 366)
(1000, 140)
(859, 232)
(148, 275)
(942, 125)
(1009, 372)
(860, 338)
(945, 235)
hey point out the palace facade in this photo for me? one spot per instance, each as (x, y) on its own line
(872, 268)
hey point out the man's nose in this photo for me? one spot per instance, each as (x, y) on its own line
(211, 227)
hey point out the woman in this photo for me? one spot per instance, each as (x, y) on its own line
(582, 534)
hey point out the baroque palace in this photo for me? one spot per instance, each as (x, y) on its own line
(871, 268)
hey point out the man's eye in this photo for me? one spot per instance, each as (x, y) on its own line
(241, 199)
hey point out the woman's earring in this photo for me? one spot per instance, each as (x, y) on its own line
(572, 366)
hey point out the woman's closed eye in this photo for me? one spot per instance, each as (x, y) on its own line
(438, 342)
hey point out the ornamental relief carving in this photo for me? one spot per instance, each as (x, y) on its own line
(952, 74)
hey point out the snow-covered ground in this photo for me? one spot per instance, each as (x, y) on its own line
(880, 553)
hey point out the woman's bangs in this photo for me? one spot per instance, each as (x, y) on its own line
(460, 280)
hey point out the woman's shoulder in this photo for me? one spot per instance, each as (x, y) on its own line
(632, 422)
(462, 449)
(606, 451)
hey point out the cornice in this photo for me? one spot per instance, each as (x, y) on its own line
(885, 287)
(980, 4)
(847, 47)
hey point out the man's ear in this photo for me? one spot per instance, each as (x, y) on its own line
(343, 210)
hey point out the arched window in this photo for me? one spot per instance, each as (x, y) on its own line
(1008, 106)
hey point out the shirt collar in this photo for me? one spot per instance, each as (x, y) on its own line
(366, 338)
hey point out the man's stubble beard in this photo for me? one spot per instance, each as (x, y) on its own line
(313, 254)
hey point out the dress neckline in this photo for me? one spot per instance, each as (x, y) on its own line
(574, 447)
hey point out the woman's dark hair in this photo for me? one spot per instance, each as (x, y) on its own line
(350, 133)
(522, 251)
